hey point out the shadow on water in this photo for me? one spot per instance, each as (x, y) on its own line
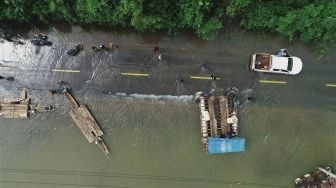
(63, 27)
(151, 38)
(23, 29)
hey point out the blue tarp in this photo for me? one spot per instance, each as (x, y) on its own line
(225, 145)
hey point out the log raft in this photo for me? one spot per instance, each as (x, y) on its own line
(86, 123)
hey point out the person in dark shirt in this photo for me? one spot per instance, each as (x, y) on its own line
(213, 76)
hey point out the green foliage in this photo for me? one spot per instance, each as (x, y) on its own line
(203, 16)
(210, 29)
(61, 10)
(93, 11)
(236, 6)
(308, 20)
(15, 9)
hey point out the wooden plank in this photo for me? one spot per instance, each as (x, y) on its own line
(14, 108)
(11, 99)
(83, 126)
(14, 115)
(102, 146)
(86, 123)
(25, 101)
(13, 104)
(21, 115)
(24, 113)
(218, 116)
(86, 132)
(82, 123)
(95, 125)
(204, 128)
(72, 101)
(85, 116)
(223, 103)
(213, 121)
(23, 94)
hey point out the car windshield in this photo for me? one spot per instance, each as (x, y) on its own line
(290, 64)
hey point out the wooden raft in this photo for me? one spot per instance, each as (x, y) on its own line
(218, 111)
(15, 107)
(214, 115)
(86, 123)
(9, 110)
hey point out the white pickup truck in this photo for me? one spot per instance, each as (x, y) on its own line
(262, 62)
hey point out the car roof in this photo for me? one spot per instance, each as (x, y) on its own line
(280, 63)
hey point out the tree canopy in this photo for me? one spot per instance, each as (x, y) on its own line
(308, 20)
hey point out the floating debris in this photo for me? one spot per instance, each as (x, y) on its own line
(320, 178)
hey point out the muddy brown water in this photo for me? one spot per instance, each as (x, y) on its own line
(151, 124)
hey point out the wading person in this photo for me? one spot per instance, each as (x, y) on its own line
(102, 46)
(180, 80)
(94, 49)
(113, 46)
(157, 51)
(213, 77)
(250, 99)
(52, 92)
(283, 53)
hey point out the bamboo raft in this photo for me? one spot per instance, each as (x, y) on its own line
(15, 107)
(86, 123)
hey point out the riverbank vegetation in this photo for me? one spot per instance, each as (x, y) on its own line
(308, 20)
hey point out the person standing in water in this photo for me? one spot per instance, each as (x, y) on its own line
(250, 98)
(283, 53)
(213, 77)
(180, 80)
(157, 51)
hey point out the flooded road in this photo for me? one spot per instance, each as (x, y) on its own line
(151, 123)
